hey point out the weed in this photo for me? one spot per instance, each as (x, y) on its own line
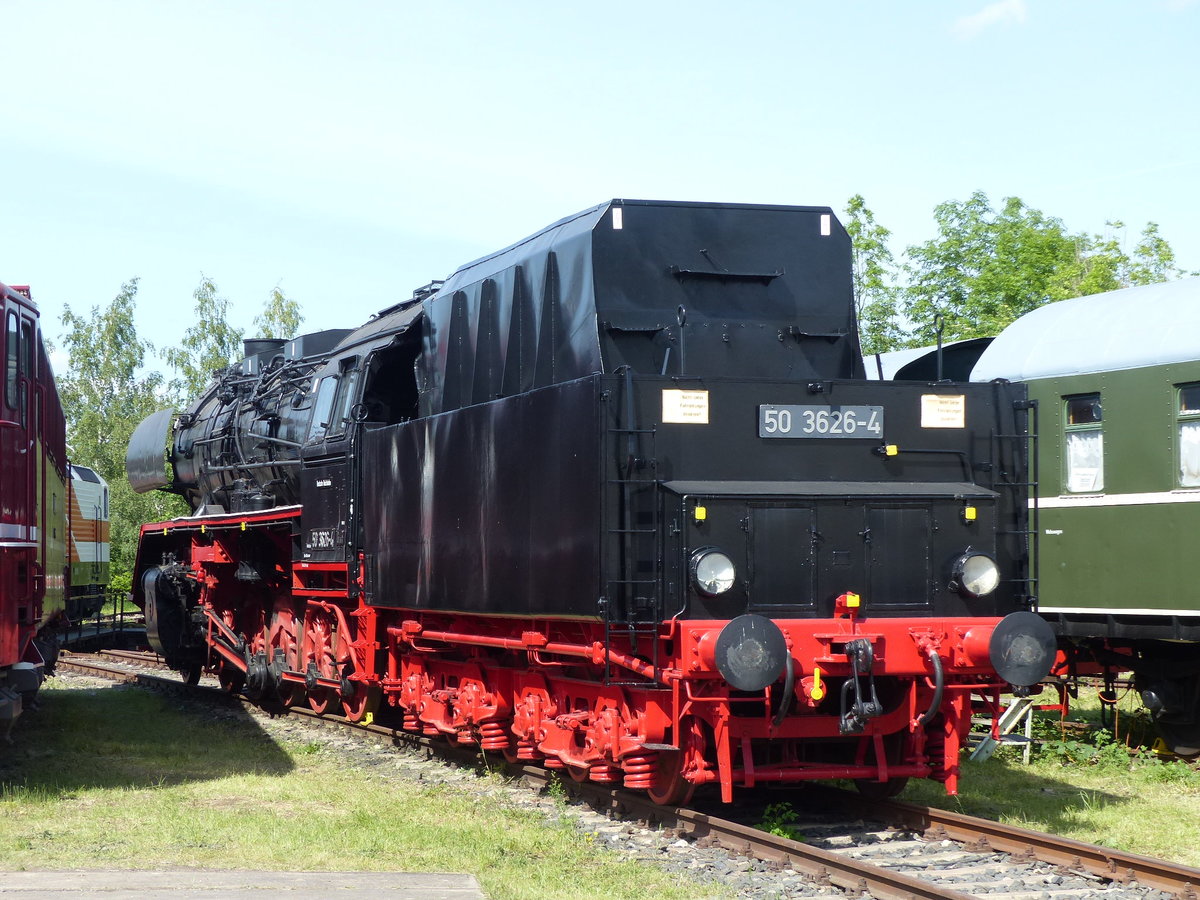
(776, 818)
(1174, 772)
(483, 765)
(1092, 747)
(1092, 800)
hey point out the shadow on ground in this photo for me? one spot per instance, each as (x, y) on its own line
(87, 734)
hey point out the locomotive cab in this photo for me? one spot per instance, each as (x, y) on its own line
(366, 385)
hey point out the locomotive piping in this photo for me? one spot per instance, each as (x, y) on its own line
(939, 686)
(789, 684)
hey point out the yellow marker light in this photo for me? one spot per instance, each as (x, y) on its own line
(243, 526)
(892, 450)
(817, 692)
(701, 513)
(852, 600)
(203, 529)
(970, 514)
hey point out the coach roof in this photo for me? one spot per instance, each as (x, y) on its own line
(1126, 329)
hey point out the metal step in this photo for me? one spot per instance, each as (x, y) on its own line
(1019, 713)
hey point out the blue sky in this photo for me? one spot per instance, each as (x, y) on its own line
(351, 152)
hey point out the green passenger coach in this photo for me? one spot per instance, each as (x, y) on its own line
(1116, 379)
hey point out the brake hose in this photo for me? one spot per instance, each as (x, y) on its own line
(939, 684)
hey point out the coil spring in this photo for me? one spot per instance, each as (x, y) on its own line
(430, 730)
(640, 771)
(553, 762)
(526, 750)
(465, 735)
(604, 773)
(493, 736)
(411, 723)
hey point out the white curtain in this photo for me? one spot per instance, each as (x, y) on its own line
(1085, 462)
(1189, 454)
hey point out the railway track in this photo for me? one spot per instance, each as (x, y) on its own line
(888, 850)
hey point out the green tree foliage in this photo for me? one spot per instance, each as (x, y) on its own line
(105, 394)
(985, 268)
(1097, 266)
(1153, 259)
(208, 345)
(280, 318)
(1101, 263)
(875, 291)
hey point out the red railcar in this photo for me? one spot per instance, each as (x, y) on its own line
(34, 496)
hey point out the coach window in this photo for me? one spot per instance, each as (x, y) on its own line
(1084, 441)
(12, 353)
(1189, 435)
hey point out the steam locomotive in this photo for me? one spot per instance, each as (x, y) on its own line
(617, 498)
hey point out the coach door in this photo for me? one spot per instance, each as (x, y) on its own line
(18, 534)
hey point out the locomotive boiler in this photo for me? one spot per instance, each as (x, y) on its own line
(617, 498)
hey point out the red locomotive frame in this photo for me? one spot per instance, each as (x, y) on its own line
(548, 690)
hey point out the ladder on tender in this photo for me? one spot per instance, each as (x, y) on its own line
(633, 602)
(1018, 471)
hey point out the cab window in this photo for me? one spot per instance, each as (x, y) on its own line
(322, 411)
(344, 404)
(1084, 442)
(1189, 435)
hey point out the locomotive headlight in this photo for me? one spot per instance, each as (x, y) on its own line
(713, 572)
(975, 574)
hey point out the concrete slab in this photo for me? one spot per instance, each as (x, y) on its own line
(199, 884)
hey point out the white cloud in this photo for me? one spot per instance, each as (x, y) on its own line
(1000, 13)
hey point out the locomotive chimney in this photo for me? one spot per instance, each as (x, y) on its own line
(259, 346)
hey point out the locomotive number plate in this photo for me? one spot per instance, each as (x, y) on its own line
(820, 421)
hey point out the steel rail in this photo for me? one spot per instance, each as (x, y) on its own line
(824, 867)
(144, 657)
(982, 834)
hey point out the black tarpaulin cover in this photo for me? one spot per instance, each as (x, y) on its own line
(666, 288)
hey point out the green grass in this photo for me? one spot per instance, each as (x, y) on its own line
(122, 779)
(1086, 784)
